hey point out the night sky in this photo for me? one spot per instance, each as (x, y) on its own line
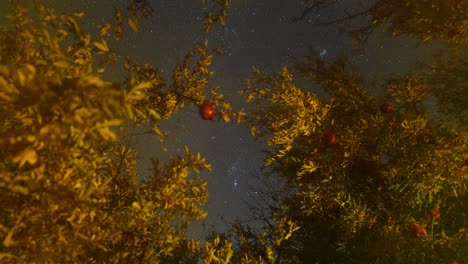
(257, 33)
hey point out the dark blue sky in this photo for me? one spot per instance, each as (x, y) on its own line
(257, 33)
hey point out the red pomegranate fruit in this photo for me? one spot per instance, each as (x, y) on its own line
(386, 108)
(435, 214)
(329, 139)
(418, 230)
(206, 110)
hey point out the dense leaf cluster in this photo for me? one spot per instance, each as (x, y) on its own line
(69, 185)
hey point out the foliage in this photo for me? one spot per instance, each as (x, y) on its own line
(266, 247)
(359, 201)
(287, 113)
(69, 188)
(445, 20)
(393, 188)
(371, 198)
(380, 194)
(448, 82)
(425, 20)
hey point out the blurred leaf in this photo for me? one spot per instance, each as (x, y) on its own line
(133, 23)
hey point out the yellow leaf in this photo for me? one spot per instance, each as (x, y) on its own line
(136, 205)
(5, 97)
(6, 256)
(87, 39)
(240, 115)
(4, 70)
(80, 61)
(117, 32)
(106, 133)
(61, 34)
(154, 114)
(133, 24)
(7, 90)
(102, 46)
(78, 14)
(136, 92)
(74, 25)
(105, 29)
(19, 189)
(157, 131)
(270, 254)
(8, 241)
(225, 118)
(427, 38)
(60, 64)
(28, 155)
(21, 78)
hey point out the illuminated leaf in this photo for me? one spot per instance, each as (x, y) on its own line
(105, 29)
(157, 131)
(78, 14)
(21, 78)
(154, 114)
(133, 24)
(61, 64)
(6, 256)
(28, 155)
(19, 189)
(8, 240)
(270, 254)
(102, 46)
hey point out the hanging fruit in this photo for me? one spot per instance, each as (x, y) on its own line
(329, 139)
(435, 214)
(418, 230)
(386, 108)
(206, 110)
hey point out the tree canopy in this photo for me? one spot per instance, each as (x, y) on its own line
(370, 180)
(70, 189)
